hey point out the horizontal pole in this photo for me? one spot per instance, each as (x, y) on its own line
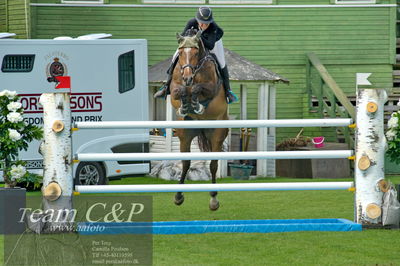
(93, 157)
(336, 122)
(99, 5)
(215, 187)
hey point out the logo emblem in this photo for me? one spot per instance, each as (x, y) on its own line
(55, 69)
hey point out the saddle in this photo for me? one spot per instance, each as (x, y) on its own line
(217, 65)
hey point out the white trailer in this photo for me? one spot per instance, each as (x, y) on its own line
(108, 83)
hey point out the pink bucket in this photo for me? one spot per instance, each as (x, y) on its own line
(318, 142)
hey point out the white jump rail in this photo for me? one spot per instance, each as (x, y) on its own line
(93, 157)
(334, 122)
(215, 187)
(369, 160)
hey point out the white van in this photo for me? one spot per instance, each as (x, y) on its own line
(108, 83)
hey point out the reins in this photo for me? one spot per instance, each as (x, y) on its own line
(199, 66)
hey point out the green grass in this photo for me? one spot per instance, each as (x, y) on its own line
(371, 247)
(1, 249)
(299, 248)
(249, 205)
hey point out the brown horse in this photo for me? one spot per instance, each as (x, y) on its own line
(197, 93)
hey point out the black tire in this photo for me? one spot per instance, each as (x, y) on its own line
(90, 173)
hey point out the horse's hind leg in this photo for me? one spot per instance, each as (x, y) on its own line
(185, 141)
(179, 198)
(214, 203)
(217, 140)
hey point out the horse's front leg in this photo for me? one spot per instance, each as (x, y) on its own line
(181, 94)
(184, 109)
(198, 108)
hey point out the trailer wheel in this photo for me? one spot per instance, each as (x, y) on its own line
(90, 173)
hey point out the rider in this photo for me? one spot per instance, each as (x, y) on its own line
(211, 36)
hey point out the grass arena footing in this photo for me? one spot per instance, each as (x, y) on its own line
(218, 226)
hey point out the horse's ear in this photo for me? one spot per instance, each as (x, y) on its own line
(198, 34)
(179, 37)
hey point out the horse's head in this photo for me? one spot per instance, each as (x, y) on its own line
(190, 48)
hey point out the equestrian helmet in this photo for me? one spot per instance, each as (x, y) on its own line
(204, 15)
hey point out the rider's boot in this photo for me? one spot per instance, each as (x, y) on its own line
(164, 90)
(230, 96)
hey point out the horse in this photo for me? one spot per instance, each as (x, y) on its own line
(197, 93)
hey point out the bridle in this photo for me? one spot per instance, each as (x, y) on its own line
(195, 69)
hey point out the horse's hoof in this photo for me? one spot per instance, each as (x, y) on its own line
(214, 204)
(199, 110)
(179, 200)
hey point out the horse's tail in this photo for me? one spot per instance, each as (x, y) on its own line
(204, 142)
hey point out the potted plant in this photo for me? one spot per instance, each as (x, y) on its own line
(31, 182)
(15, 136)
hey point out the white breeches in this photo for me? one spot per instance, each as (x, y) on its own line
(218, 51)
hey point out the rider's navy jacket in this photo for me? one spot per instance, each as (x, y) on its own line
(211, 35)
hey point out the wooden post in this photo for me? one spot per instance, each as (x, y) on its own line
(243, 102)
(271, 169)
(57, 165)
(243, 110)
(168, 131)
(151, 103)
(370, 155)
(327, 78)
(262, 133)
(223, 164)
